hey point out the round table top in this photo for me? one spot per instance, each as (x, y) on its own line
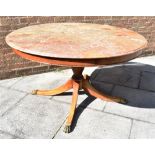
(76, 40)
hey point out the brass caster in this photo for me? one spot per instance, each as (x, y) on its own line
(67, 129)
(34, 92)
(122, 100)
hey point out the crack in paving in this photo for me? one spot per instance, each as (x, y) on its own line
(129, 87)
(5, 113)
(140, 78)
(130, 118)
(12, 135)
(15, 105)
(20, 78)
(59, 128)
(104, 107)
(82, 106)
(14, 89)
(16, 82)
(107, 112)
(130, 129)
(103, 110)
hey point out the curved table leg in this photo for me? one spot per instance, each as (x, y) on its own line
(77, 82)
(67, 86)
(92, 91)
(69, 120)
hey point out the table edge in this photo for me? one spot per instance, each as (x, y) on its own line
(78, 62)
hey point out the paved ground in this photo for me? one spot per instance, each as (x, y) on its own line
(23, 115)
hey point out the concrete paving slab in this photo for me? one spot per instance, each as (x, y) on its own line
(117, 75)
(133, 67)
(147, 81)
(109, 74)
(41, 117)
(8, 99)
(67, 97)
(4, 135)
(85, 100)
(145, 60)
(41, 81)
(95, 124)
(138, 68)
(141, 104)
(136, 97)
(35, 117)
(102, 86)
(92, 103)
(9, 82)
(143, 114)
(129, 80)
(142, 130)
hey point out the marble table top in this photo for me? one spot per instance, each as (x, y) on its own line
(76, 40)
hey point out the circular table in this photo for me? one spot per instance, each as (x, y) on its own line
(76, 45)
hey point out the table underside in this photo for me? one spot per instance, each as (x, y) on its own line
(78, 62)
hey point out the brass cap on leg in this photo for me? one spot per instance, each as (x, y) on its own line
(67, 129)
(34, 92)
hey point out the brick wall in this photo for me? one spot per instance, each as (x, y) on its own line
(13, 66)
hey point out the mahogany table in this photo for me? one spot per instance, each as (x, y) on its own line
(76, 45)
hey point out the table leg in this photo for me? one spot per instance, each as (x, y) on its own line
(86, 85)
(76, 86)
(67, 86)
(77, 82)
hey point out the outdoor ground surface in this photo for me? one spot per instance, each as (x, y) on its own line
(23, 115)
